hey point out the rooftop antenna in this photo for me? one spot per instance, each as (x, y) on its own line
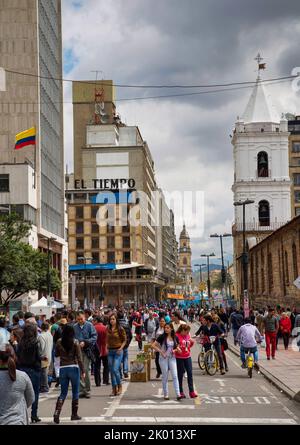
(100, 117)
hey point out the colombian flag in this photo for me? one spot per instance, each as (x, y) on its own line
(25, 138)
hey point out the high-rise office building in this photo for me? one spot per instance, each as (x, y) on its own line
(31, 54)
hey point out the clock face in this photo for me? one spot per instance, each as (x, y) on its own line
(184, 249)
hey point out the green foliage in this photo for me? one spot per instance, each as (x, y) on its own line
(22, 268)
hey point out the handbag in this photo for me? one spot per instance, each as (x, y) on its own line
(92, 352)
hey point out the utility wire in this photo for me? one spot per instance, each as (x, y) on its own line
(152, 86)
(167, 96)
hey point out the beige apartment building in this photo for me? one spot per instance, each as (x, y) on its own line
(114, 206)
(294, 159)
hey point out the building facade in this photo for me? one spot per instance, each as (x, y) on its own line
(261, 173)
(115, 208)
(294, 162)
(31, 54)
(274, 265)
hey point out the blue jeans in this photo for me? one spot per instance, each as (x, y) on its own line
(244, 351)
(166, 365)
(35, 377)
(67, 375)
(185, 364)
(125, 361)
(114, 364)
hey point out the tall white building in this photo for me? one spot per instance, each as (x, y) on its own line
(261, 171)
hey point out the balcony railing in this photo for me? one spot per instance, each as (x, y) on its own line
(238, 227)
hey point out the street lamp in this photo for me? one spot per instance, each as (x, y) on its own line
(200, 270)
(223, 272)
(244, 255)
(208, 279)
(85, 259)
(49, 240)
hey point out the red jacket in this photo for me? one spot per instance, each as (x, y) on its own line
(185, 344)
(101, 338)
(285, 325)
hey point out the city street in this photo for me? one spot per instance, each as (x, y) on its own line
(229, 399)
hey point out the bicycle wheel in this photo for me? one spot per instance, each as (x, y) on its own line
(211, 362)
(201, 357)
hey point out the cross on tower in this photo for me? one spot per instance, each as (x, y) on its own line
(259, 58)
(261, 66)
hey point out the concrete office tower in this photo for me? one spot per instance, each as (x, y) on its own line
(31, 54)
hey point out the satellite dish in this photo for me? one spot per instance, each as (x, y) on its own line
(104, 119)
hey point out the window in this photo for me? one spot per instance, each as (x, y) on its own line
(296, 147)
(111, 257)
(296, 177)
(110, 229)
(184, 261)
(110, 242)
(95, 256)
(262, 165)
(79, 227)
(297, 211)
(262, 272)
(4, 183)
(295, 263)
(264, 213)
(95, 228)
(94, 211)
(79, 243)
(4, 209)
(95, 243)
(79, 257)
(126, 257)
(286, 267)
(297, 196)
(79, 212)
(126, 242)
(270, 271)
(125, 229)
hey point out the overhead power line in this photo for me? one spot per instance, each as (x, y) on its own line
(153, 86)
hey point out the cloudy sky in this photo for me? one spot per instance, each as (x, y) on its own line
(191, 42)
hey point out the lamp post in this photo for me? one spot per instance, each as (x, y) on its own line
(85, 259)
(49, 240)
(208, 278)
(244, 255)
(200, 270)
(223, 272)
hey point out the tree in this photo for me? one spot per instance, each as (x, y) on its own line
(22, 268)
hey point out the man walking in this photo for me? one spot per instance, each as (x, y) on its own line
(46, 345)
(86, 334)
(236, 321)
(150, 325)
(271, 327)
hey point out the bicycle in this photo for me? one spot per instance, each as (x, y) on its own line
(201, 354)
(211, 360)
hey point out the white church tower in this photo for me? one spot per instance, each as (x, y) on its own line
(261, 170)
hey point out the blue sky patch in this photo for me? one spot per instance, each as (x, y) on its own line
(70, 60)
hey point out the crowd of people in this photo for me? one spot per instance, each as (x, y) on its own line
(72, 347)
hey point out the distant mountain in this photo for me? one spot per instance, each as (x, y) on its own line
(214, 263)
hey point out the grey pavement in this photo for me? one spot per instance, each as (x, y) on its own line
(229, 399)
(284, 371)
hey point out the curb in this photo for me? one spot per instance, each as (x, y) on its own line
(271, 378)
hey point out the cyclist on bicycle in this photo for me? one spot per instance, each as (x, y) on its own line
(211, 329)
(248, 336)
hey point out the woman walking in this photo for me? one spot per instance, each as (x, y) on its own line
(158, 332)
(116, 341)
(71, 366)
(29, 361)
(285, 327)
(167, 345)
(184, 360)
(138, 323)
(16, 390)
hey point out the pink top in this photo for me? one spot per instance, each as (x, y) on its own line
(185, 344)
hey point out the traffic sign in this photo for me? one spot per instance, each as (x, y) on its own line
(202, 286)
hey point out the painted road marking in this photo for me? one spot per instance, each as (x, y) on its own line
(220, 381)
(116, 401)
(158, 406)
(178, 420)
